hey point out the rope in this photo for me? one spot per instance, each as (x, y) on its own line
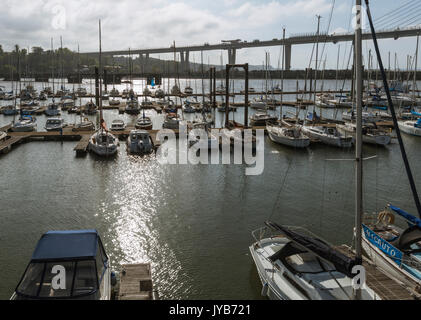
(280, 191)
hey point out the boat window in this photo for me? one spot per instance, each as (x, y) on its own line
(85, 280)
(61, 279)
(30, 282)
(63, 271)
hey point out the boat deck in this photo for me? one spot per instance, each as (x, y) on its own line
(136, 282)
(383, 285)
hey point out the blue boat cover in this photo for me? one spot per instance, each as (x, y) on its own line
(407, 216)
(71, 244)
(415, 113)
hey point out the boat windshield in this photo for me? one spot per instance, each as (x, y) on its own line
(59, 280)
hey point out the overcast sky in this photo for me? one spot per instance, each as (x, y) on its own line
(157, 23)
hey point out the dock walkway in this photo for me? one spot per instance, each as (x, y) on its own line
(386, 287)
(136, 282)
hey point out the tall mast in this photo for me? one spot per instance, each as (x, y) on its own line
(358, 141)
(100, 75)
(52, 67)
(282, 72)
(415, 72)
(317, 56)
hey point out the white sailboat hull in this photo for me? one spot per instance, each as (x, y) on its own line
(342, 142)
(278, 137)
(408, 128)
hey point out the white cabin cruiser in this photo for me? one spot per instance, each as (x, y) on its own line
(55, 124)
(327, 135)
(293, 264)
(103, 143)
(139, 142)
(77, 257)
(118, 125)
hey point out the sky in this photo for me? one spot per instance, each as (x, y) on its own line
(141, 24)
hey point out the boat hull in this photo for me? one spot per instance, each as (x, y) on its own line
(287, 141)
(409, 129)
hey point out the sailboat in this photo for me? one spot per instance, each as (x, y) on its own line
(295, 264)
(52, 108)
(287, 134)
(102, 143)
(144, 122)
(393, 248)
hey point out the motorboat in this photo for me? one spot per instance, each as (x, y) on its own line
(103, 143)
(114, 102)
(55, 124)
(67, 265)
(294, 264)
(139, 142)
(261, 118)
(327, 135)
(172, 121)
(288, 135)
(66, 104)
(188, 107)
(81, 92)
(188, 90)
(371, 134)
(90, 108)
(52, 110)
(394, 249)
(25, 124)
(412, 127)
(10, 110)
(144, 123)
(132, 106)
(258, 103)
(118, 125)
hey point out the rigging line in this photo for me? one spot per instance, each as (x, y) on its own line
(328, 25)
(280, 190)
(323, 196)
(394, 12)
(396, 19)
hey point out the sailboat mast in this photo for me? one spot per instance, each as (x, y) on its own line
(100, 74)
(415, 72)
(358, 141)
(317, 57)
(282, 73)
(52, 67)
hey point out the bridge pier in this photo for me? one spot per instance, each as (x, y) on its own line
(232, 54)
(184, 61)
(288, 57)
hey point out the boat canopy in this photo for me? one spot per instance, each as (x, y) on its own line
(58, 245)
(341, 262)
(409, 217)
(65, 265)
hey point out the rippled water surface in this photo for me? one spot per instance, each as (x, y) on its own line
(192, 222)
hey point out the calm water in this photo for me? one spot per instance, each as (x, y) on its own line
(193, 223)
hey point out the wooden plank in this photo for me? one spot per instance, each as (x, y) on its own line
(82, 146)
(136, 282)
(7, 145)
(377, 280)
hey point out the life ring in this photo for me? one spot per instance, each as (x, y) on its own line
(386, 217)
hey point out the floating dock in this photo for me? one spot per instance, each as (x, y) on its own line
(136, 283)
